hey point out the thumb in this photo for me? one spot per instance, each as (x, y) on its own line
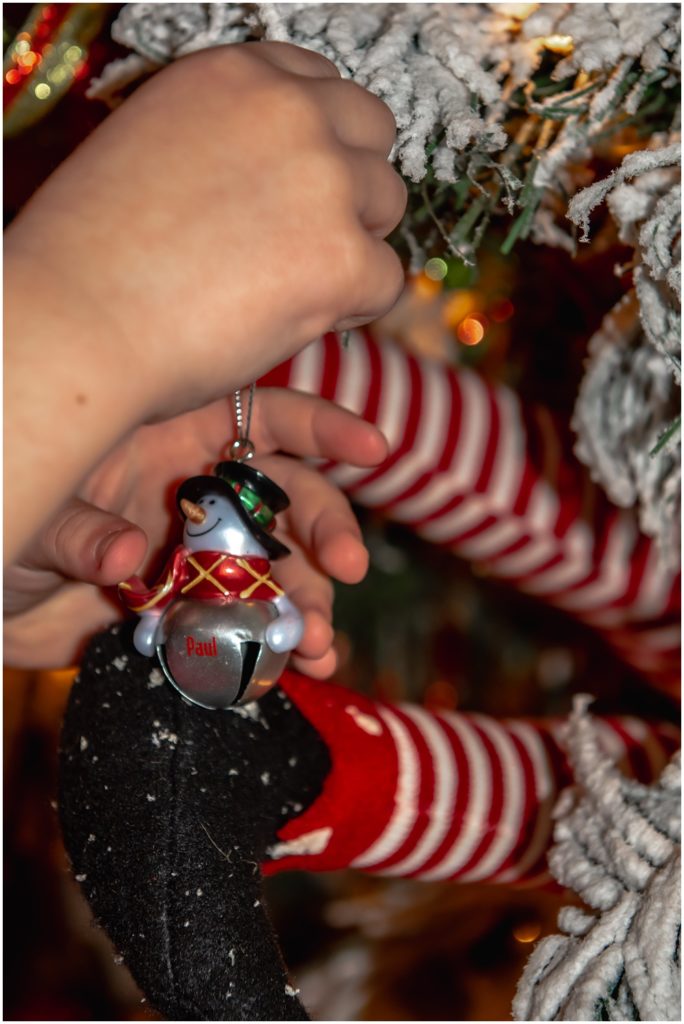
(85, 543)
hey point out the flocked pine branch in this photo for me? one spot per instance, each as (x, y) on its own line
(618, 847)
(494, 109)
(626, 416)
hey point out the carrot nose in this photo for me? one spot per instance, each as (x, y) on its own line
(195, 513)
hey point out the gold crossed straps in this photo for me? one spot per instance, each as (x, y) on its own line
(259, 579)
(206, 574)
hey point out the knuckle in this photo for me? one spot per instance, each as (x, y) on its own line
(393, 277)
(390, 195)
(298, 58)
(377, 110)
(350, 261)
(216, 60)
(327, 593)
(68, 532)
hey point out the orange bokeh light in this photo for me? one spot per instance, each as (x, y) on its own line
(460, 304)
(13, 76)
(470, 331)
(527, 931)
(425, 287)
(28, 59)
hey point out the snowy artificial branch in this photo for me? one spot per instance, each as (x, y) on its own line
(485, 97)
(618, 847)
(629, 398)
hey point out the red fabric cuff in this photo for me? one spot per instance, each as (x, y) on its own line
(358, 794)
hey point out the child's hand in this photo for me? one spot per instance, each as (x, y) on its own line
(51, 604)
(229, 212)
(226, 214)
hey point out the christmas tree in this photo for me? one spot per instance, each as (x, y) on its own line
(540, 143)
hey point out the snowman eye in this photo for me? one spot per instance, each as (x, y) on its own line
(212, 501)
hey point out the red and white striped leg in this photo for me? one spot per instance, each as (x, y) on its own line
(414, 793)
(472, 470)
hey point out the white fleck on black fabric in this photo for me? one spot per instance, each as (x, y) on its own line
(166, 819)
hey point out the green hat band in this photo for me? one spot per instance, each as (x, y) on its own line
(259, 512)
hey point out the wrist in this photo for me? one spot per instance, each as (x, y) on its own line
(69, 396)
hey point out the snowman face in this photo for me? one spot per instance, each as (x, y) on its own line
(222, 529)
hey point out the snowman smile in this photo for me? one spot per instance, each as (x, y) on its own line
(201, 533)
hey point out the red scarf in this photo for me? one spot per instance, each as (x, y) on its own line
(203, 576)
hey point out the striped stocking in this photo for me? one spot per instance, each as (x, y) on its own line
(437, 796)
(472, 470)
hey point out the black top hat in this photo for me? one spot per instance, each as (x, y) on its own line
(255, 497)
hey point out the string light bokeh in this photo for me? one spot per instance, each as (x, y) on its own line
(45, 59)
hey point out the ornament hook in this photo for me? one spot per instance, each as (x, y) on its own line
(242, 449)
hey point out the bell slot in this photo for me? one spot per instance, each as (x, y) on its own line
(250, 652)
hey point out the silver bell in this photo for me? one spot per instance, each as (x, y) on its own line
(216, 655)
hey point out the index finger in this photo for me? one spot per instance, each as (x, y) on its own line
(311, 427)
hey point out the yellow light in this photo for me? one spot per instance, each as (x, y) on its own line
(426, 288)
(622, 149)
(558, 44)
(470, 331)
(59, 74)
(73, 54)
(436, 269)
(458, 306)
(28, 59)
(526, 932)
(61, 678)
(42, 91)
(22, 46)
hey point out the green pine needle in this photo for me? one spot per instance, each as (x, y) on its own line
(673, 429)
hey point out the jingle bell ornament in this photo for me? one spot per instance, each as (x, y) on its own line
(220, 624)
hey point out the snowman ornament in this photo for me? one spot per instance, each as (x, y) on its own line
(221, 626)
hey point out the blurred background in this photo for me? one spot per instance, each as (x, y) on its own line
(422, 627)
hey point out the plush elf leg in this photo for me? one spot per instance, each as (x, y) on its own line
(168, 812)
(440, 796)
(496, 482)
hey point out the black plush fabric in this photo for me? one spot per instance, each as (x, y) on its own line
(167, 811)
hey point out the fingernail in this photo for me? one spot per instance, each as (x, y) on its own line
(105, 543)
